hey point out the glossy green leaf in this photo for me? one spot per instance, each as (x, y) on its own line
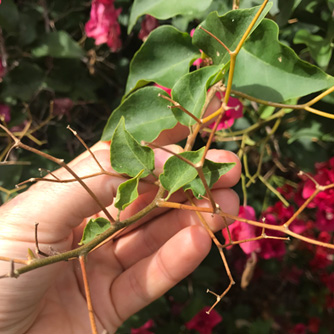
(93, 228)
(165, 9)
(190, 91)
(165, 56)
(127, 155)
(212, 172)
(178, 173)
(275, 73)
(127, 192)
(58, 44)
(145, 113)
(229, 28)
(320, 48)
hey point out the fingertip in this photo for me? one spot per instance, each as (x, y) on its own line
(232, 177)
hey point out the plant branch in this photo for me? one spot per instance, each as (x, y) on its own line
(60, 162)
(82, 261)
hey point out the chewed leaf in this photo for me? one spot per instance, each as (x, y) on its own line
(145, 113)
(190, 92)
(178, 173)
(229, 28)
(275, 74)
(164, 57)
(212, 172)
(127, 192)
(127, 155)
(93, 228)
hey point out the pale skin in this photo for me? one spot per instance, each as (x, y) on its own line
(125, 274)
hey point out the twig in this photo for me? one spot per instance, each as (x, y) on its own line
(37, 250)
(82, 260)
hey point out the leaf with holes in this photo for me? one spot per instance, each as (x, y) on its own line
(275, 74)
(229, 28)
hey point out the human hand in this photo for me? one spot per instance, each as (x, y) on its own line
(125, 274)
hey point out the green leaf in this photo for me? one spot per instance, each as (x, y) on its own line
(165, 56)
(165, 9)
(178, 173)
(190, 92)
(229, 28)
(145, 113)
(320, 48)
(93, 228)
(127, 192)
(270, 70)
(23, 81)
(212, 172)
(58, 44)
(127, 155)
(9, 15)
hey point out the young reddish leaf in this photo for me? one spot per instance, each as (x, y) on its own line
(127, 155)
(178, 173)
(93, 228)
(127, 192)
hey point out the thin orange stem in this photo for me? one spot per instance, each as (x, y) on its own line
(82, 260)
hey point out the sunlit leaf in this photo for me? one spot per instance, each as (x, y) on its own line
(58, 44)
(127, 192)
(145, 114)
(212, 172)
(320, 48)
(229, 28)
(275, 73)
(93, 228)
(165, 9)
(190, 91)
(127, 155)
(164, 57)
(178, 173)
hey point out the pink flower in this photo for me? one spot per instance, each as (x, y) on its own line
(313, 325)
(324, 201)
(234, 110)
(203, 322)
(103, 25)
(5, 112)
(299, 329)
(144, 329)
(148, 24)
(242, 231)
